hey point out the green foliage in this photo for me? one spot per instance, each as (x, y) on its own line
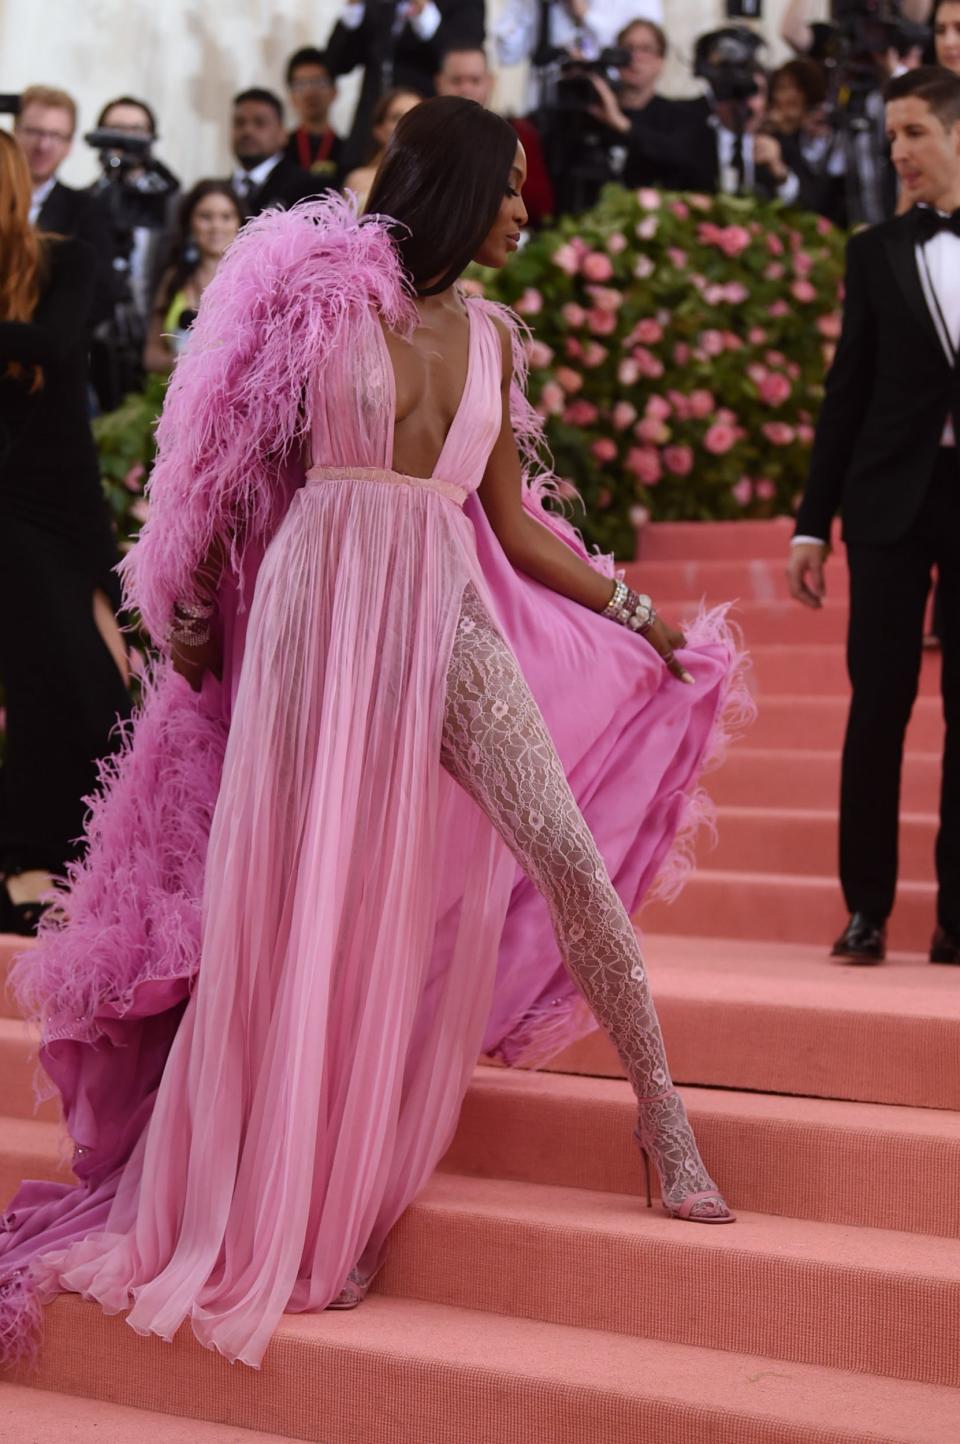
(126, 446)
(680, 348)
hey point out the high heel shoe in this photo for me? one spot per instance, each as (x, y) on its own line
(354, 1291)
(665, 1133)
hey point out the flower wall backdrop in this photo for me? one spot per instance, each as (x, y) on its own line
(679, 352)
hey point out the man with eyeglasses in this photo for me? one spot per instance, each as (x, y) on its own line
(314, 146)
(45, 128)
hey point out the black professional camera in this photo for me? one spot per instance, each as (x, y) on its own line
(574, 89)
(727, 60)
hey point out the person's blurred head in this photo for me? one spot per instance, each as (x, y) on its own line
(923, 128)
(388, 112)
(467, 74)
(311, 86)
(130, 115)
(210, 218)
(751, 112)
(946, 34)
(646, 44)
(258, 131)
(796, 89)
(451, 179)
(45, 127)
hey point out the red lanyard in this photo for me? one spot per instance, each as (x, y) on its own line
(307, 161)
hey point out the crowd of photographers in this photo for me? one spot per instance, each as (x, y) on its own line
(809, 133)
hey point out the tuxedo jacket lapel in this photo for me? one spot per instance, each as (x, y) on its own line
(902, 251)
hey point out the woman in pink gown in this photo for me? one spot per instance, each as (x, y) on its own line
(258, 1083)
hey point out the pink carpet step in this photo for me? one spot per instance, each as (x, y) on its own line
(756, 579)
(793, 777)
(669, 541)
(785, 1018)
(871, 1300)
(36, 1416)
(777, 623)
(31, 1148)
(817, 669)
(804, 840)
(785, 906)
(17, 1067)
(397, 1371)
(801, 721)
(794, 1157)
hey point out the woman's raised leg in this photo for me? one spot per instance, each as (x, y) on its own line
(496, 745)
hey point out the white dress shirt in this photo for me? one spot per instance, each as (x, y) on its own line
(787, 191)
(516, 31)
(247, 182)
(938, 261)
(425, 25)
(40, 194)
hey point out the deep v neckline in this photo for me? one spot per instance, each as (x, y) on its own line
(392, 396)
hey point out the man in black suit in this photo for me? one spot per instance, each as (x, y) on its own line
(885, 455)
(45, 127)
(265, 178)
(399, 43)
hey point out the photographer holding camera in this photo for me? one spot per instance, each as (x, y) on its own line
(528, 29)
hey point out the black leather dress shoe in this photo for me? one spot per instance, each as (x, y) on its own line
(864, 940)
(945, 947)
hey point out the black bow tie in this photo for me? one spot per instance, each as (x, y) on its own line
(930, 223)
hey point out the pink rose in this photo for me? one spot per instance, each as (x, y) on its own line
(805, 433)
(650, 366)
(700, 202)
(720, 438)
(596, 266)
(628, 371)
(680, 210)
(647, 228)
(774, 272)
(775, 358)
(648, 198)
(551, 399)
(824, 227)
(803, 291)
(133, 480)
(828, 350)
(539, 354)
(594, 354)
(569, 379)
(643, 268)
(601, 323)
(829, 325)
(616, 243)
(648, 332)
(702, 404)
(774, 389)
(567, 259)
(566, 488)
(726, 417)
(658, 407)
(803, 263)
(644, 462)
(708, 233)
(756, 336)
(140, 510)
(573, 314)
(681, 353)
(742, 490)
(677, 258)
(764, 489)
(712, 342)
(580, 413)
(572, 349)
(680, 403)
(472, 287)
(735, 292)
(623, 415)
(604, 498)
(530, 303)
(651, 430)
(714, 295)
(732, 240)
(605, 298)
(774, 244)
(778, 433)
(733, 341)
(604, 449)
(778, 309)
(679, 460)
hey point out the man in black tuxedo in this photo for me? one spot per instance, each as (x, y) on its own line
(399, 43)
(265, 178)
(886, 457)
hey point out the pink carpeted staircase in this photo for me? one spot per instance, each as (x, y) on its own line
(530, 1297)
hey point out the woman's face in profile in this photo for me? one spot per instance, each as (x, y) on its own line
(214, 224)
(503, 238)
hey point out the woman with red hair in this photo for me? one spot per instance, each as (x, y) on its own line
(62, 663)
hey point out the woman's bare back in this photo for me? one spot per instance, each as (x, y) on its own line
(430, 371)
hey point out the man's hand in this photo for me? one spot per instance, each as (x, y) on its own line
(805, 572)
(608, 111)
(767, 152)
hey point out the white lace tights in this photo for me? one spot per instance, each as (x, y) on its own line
(496, 745)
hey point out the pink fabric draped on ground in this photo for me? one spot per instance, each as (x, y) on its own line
(293, 932)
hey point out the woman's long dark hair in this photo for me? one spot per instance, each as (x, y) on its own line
(443, 180)
(184, 256)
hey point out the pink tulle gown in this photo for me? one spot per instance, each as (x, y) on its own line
(366, 932)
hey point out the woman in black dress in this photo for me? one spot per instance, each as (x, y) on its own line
(62, 661)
